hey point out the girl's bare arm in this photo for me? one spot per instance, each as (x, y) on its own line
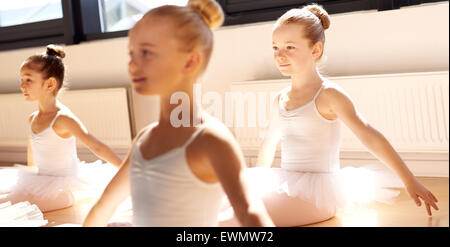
(115, 193)
(378, 145)
(268, 146)
(227, 160)
(96, 146)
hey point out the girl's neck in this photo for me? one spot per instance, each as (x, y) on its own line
(48, 104)
(187, 106)
(305, 79)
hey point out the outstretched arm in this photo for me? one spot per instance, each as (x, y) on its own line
(100, 149)
(115, 193)
(378, 145)
(228, 163)
(268, 146)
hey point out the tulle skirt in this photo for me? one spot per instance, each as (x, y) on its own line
(90, 180)
(346, 187)
(21, 214)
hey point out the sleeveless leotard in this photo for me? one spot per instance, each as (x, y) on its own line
(165, 192)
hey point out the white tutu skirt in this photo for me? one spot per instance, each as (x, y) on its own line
(348, 186)
(89, 181)
(21, 214)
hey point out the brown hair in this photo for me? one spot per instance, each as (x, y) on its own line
(50, 63)
(314, 19)
(195, 23)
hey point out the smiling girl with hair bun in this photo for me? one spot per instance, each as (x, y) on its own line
(310, 186)
(54, 178)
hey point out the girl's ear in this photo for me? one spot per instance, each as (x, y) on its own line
(51, 84)
(317, 50)
(193, 63)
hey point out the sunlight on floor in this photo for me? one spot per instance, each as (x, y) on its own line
(359, 217)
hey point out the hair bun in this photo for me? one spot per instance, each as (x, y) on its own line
(318, 11)
(209, 10)
(54, 50)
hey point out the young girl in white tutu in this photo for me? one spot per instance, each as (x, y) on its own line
(54, 177)
(177, 174)
(310, 186)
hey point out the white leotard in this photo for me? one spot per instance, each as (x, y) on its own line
(309, 142)
(57, 170)
(52, 154)
(165, 192)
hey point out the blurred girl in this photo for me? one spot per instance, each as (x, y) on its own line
(177, 175)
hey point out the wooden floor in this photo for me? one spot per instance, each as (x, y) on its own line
(403, 212)
(77, 213)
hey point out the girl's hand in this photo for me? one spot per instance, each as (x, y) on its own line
(417, 190)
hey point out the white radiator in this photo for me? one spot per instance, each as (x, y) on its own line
(104, 112)
(411, 110)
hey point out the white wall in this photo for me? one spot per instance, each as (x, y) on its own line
(412, 39)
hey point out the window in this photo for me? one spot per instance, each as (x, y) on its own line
(121, 15)
(25, 23)
(22, 11)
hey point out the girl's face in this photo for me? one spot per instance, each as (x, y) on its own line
(32, 83)
(157, 64)
(292, 52)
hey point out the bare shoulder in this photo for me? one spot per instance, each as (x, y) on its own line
(332, 89)
(333, 93)
(66, 119)
(216, 136)
(215, 129)
(66, 125)
(338, 100)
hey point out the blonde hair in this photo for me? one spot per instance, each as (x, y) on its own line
(194, 23)
(314, 19)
